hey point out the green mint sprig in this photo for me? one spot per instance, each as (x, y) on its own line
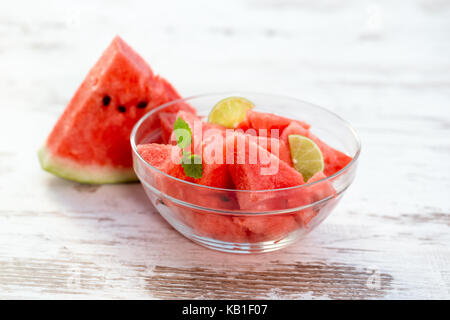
(191, 163)
(183, 133)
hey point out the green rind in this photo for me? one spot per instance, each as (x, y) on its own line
(70, 170)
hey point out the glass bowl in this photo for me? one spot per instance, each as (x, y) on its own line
(272, 219)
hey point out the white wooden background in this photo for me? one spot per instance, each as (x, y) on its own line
(382, 65)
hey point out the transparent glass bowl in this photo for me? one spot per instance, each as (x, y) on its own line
(276, 218)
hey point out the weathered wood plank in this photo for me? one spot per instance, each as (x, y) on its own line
(383, 66)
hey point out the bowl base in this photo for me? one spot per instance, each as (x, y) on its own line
(227, 246)
(243, 248)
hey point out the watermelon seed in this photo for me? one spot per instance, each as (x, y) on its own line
(121, 108)
(224, 198)
(142, 104)
(106, 100)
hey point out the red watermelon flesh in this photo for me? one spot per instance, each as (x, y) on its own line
(269, 121)
(214, 175)
(90, 141)
(244, 125)
(215, 171)
(216, 226)
(167, 119)
(275, 146)
(204, 223)
(268, 172)
(320, 190)
(167, 158)
(265, 228)
(200, 129)
(164, 157)
(334, 160)
(235, 228)
(311, 194)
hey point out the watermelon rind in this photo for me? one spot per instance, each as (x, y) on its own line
(88, 174)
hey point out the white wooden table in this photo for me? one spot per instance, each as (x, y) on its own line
(382, 65)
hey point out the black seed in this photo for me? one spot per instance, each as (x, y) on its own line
(142, 104)
(121, 108)
(224, 198)
(106, 100)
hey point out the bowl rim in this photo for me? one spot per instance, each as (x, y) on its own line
(233, 93)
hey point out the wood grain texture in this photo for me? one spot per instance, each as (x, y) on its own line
(382, 65)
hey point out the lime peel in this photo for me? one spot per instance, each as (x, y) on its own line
(230, 111)
(306, 156)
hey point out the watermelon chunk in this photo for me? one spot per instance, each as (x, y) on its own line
(90, 141)
(167, 158)
(215, 171)
(311, 194)
(167, 119)
(261, 120)
(201, 130)
(334, 160)
(264, 228)
(164, 157)
(206, 224)
(277, 147)
(216, 226)
(244, 125)
(267, 172)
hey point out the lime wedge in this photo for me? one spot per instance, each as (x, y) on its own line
(306, 156)
(229, 112)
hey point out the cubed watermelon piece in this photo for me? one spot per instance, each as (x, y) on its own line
(261, 120)
(277, 147)
(167, 158)
(265, 228)
(254, 168)
(216, 226)
(215, 171)
(244, 125)
(311, 194)
(164, 157)
(200, 130)
(167, 119)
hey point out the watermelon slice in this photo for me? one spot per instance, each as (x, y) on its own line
(90, 141)
(334, 160)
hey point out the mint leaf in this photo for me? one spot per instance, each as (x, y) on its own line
(182, 132)
(192, 165)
